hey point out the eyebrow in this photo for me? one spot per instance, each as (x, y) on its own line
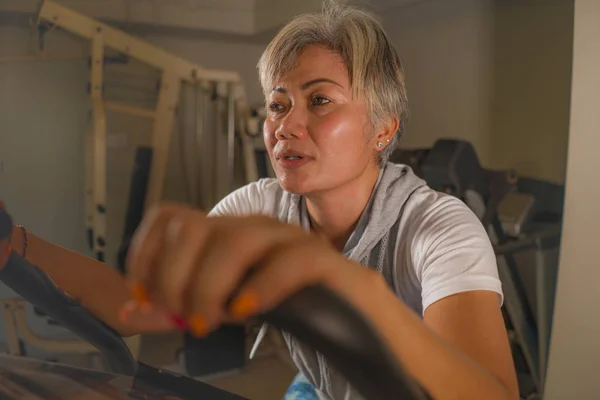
(306, 85)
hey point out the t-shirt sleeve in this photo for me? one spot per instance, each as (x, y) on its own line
(453, 253)
(247, 200)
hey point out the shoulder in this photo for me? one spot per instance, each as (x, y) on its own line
(257, 197)
(448, 248)
(433, 214)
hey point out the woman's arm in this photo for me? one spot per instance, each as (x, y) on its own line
(459, 351)
(99, 288)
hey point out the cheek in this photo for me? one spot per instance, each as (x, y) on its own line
(269, 134)
(341, 135)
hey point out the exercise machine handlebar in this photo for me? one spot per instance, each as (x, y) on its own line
(34, 285)
(324, 321)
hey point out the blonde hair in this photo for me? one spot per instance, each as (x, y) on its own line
(373, 65)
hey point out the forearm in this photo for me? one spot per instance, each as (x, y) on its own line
(98, 287)
(444, 371)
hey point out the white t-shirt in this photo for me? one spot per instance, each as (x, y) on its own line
(427, 245)
(443, 248)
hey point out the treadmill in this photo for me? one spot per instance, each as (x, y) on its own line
(315, 315)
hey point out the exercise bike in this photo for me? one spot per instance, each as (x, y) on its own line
(347, 340)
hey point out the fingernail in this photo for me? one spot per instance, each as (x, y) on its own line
(126, 310)
(178, 322)
(198, 326)
(244, 305)
(140, 295)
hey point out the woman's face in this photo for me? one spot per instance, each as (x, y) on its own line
(316, 133)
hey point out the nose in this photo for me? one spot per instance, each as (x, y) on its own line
(292, 125)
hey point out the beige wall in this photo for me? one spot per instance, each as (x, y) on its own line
(575, 346)
(494, 72)
(446, 50)
(533, 43)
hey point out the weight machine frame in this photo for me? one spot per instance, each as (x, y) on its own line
(174, 72)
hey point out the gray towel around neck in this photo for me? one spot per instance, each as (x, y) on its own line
(372, 243)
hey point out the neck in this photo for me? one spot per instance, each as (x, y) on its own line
(335, 213)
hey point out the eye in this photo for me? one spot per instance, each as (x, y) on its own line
(275, 107)
(319, 101)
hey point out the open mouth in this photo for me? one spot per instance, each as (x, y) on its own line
(293, 158)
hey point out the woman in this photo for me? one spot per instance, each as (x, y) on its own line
(417, 263)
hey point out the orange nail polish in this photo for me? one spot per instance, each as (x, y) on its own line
(140, 295)
(244, 305)
(198, 326)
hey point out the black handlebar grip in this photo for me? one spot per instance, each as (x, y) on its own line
(327, 323)
(31, 283)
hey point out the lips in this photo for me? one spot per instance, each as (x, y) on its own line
(290, 155)
(290, 159)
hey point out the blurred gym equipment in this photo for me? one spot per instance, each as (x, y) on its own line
(523, 219)
(174, 73)
(221, 119)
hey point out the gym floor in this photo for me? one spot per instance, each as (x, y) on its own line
(266, 377)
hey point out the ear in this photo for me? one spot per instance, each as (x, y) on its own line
(386, 133)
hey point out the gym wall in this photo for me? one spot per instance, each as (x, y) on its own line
(445, 48)
(43, 111)
(494, 72)
(574, 355)
(532, 57)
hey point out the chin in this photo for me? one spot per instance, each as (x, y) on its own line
(295, 184)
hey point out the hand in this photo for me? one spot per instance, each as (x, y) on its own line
(185, 263)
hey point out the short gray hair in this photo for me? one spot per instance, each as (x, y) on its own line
(358, 37)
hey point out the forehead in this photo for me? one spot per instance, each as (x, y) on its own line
(315, 62)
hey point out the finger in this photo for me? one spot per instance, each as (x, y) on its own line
(186, 237)
(149, 320)
(284, 272)
(234, 248)
(148, 240)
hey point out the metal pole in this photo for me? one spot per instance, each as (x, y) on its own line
(201, 155)
(231, 138)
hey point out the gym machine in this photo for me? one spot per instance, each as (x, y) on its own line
(175, 75)
(347, 340)
(522, 217)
